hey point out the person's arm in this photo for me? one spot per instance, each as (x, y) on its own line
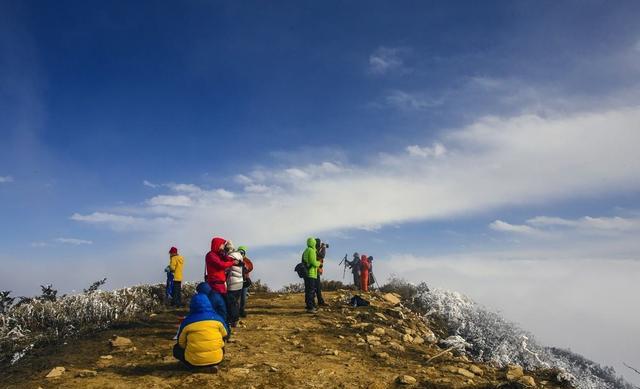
(182, 338)
(173, 263)
(222, 329)
(248, 265)
(312, 259)
(217, 262)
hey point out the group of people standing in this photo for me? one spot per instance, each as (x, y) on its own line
(362, 269)
(216, 307)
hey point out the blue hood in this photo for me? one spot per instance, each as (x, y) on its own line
(200, 309)
(203, 288)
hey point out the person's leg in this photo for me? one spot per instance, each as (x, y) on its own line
(319, 291)
(233, 306)
(177, 293)
(356, 280)
(364, 282)
(308, 296)
(243, 302)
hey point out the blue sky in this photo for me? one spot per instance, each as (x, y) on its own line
(438, 137)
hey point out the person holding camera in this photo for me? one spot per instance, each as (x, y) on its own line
(246, 270)
(311, 263)
(217, 261)
(321, 251)
(235, 282)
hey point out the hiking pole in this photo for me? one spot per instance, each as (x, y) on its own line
(345, 265)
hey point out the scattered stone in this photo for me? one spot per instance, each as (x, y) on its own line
(407, 338)
(527, 380)
(86, 373)
(168, 359)
(431, 371)
(381, 316)
(407, 331)
(273, 369)
(56, 372)
(153, 315)
(465, 372)
(476, 370)
(106, 357)
(378, 331)
(406, 380)
(372, 339)
(239, 371)
(514, 372)
(391, 298)
(340, 336)
(120, 342)
(330, 352)
(382, 355)
(396, 346)
(418, 340)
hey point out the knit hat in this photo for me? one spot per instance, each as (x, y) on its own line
(244, 249)
(173, 250)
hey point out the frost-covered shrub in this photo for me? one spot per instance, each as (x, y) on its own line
(259, 287)
(292, 288)
(495, 340)
(43, 320)
(409, 292)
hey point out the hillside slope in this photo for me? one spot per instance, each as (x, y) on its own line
(278, 345)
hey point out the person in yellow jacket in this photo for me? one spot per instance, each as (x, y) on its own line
(201, 335)
(176, 264)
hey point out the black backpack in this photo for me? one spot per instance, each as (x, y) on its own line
(301, 268)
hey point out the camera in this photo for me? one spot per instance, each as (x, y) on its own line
(325, 244)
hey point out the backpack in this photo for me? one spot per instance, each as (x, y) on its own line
(301, 268)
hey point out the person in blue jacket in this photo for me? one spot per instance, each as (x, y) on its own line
(217, 302)
(201, 335)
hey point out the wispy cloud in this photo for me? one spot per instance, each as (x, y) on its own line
(74, 241)
(150, 184)
(410, 101)
(492, 163)
(5, 179)
(499, 225)
(387, 60)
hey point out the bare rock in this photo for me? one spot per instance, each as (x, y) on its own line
(56, 372)
(465, 372)
(382, 355)
(476, 370)
(120, 342)
(381, 316)
(106, 357)
(379, 331)
(406, 380)
(418, 340)
(407, 338)
(373, 339)
(86, 373)
(391, 298)
(514, 372)
(396, 346)
(239, 371)
(527, 381)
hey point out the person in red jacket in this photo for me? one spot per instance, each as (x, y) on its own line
(364, 273)
(216, 262)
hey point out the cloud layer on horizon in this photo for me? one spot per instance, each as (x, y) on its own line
(490, 164)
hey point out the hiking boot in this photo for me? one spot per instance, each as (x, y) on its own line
(312, 310)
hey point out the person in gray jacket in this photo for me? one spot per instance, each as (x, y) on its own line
(235, 281)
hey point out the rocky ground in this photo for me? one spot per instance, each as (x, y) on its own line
(278, 346)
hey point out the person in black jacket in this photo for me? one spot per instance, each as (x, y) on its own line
(321, 251)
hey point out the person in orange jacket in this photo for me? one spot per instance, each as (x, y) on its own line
(365, 266)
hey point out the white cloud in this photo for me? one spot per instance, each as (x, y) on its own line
(73, 241)
(589, 223)
(122, 222)
(242, 179)
(499, 225)
(406, 101)
(437, 150)
(385, 60)
(171, 201)
(185, 188)
(491, 164)
(6, 179)
(150, 184)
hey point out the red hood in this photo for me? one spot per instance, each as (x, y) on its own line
(215, 244)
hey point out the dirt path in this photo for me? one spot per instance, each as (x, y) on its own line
(277, 346)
